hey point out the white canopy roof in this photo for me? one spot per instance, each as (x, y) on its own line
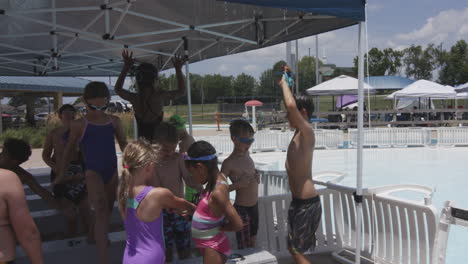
(425, 89)
(338, 86)
(462, 88)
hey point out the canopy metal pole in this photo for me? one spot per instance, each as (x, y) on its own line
(189, 95)
(358, 196)
(317, 77)
(1, 116)
(297, 67)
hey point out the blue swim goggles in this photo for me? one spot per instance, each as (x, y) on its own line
(247, 141)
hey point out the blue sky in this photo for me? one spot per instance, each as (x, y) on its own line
(394, 23)
(391, 23)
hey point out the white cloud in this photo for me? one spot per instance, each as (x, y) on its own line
(223, 68)
(375, 7)
(444, 27)
(463, 32)
(250, 68)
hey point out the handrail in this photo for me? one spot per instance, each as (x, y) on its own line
(387, 191)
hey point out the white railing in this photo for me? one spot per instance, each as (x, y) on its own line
(392, 137)
(272, 140)
(394, 230)
(452, 136)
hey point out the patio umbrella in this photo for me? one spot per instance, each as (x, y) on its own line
(253, 104)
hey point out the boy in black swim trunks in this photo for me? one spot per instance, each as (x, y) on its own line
(240, 169)
(305, 210)
(171, 173)
(74, 189)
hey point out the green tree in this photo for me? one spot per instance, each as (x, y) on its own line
(454, 64)
(266, 85)
(216, 86)
(243, 85)
(420, 62)
(307, 72)
(382, 62)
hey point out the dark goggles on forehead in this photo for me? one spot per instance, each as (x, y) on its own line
(247, 141)
(98, 108)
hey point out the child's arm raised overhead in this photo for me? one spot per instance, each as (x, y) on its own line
(294, 115)
(127, 57)
(76, 130)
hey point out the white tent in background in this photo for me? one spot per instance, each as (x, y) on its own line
(338, 86)
(462, 88)
(425, 89)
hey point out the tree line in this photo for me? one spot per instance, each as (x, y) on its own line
(448, 67)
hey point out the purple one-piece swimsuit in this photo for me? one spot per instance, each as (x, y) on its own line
(145, 241)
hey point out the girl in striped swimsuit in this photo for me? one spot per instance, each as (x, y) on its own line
(214, 214)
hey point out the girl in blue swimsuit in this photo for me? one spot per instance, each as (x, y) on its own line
(95, 134)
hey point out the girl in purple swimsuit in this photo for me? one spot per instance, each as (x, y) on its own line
(95, 134)
(141, 205)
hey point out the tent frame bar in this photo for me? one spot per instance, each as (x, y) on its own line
(108, 38)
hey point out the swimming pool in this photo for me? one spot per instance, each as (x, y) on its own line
(445, 169)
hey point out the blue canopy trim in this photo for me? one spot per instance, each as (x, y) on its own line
(352, 9)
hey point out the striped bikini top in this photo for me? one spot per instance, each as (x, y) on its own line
(205, 225)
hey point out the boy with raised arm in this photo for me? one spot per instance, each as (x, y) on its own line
(240, 169)
(305, 209)
(170, 173)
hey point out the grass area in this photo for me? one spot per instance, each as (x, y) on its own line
(201, 114)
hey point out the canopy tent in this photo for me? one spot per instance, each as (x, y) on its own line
(388, 82)
(425, 89)
(338, 86)
(411, 103)
(69, 86)
(345, 100)
(86, 37)
(462, 88)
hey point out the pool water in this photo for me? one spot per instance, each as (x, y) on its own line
(445, 169)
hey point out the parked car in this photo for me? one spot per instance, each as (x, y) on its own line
(41, 117)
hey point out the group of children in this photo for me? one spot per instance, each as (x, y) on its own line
(150, 190)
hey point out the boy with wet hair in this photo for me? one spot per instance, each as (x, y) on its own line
(171, 173)
(185, 140)
(74, 190)
(305, 210)
(240, 169)
(15, 152)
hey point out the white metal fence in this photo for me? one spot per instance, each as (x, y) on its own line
(395, 231)
(392, 137)
(452, 136)
(271, 140)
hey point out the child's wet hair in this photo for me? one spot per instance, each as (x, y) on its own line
(137, 154)
(305, 102)
(239, 126)
(96, 90)
(66, 107)
(166, 133)
(200, 149)
(17, 149)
